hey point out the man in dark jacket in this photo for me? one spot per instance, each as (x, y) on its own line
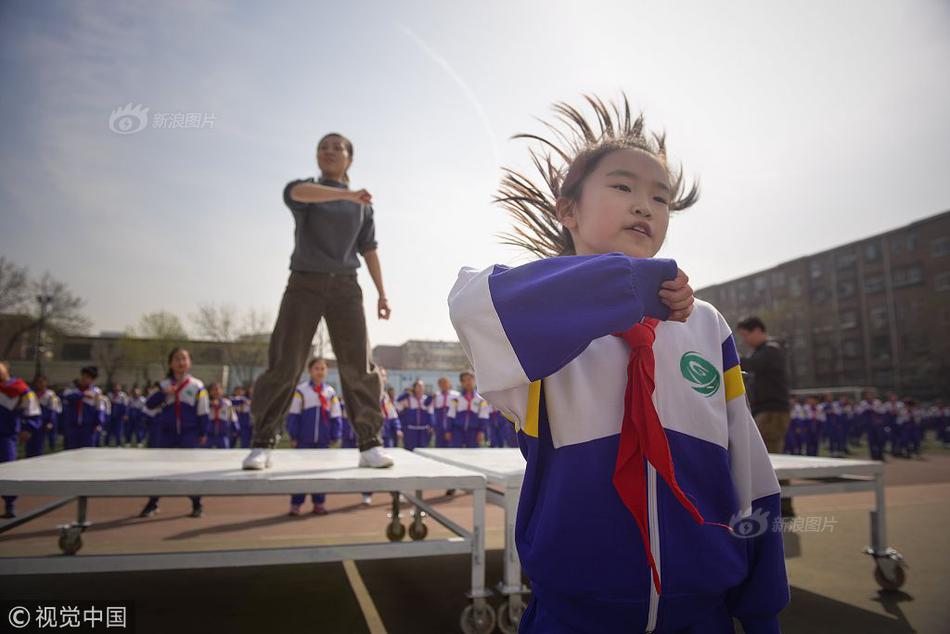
(769, 394)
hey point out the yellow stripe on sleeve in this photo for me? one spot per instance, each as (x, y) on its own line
(534, 408)
(734, 384)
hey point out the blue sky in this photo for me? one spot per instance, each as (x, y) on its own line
(809, 124)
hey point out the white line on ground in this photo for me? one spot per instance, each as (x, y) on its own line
(373, 620)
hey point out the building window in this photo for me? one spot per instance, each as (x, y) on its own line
(815, 267)
(795, 285)
(874, 284)
(907, 277)
(778, 278)
(846, 259)
(845, 288)
(881, 348)
(76, 352)
(942, 281)
(905, 243)
(851, 349)
(878, 316)
(848, 319)
(871, 251)
(940, 246)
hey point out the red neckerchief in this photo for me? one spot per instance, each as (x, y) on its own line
(468, 407)
(642, 437)
(445, 405)
(82, 397)
(178, 388)
(14, 387)
(216, 410)
(324, 406)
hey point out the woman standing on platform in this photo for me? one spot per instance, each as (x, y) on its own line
(333, 225)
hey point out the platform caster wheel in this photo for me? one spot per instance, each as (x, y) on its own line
(395, 532)
(478, 619)
(509, 618)
(70, 540)
(417, 529)
(894, 582)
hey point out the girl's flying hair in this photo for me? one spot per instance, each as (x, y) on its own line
(564, 165)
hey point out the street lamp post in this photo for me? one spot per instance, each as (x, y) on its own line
(39, 349)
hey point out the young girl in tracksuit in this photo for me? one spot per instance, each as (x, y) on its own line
(242, 406)
(182, 418)
(19, 413)
(136, 427)
(392, 427)
(313, 422)
(222, 419)
(84, 410)
(441, 404)
(50, 410)
(648, 498)
(415, 416)
(468, 415)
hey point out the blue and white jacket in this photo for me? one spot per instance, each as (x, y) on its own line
(414, 413)
(186, 412)
(19, 408)
(540, 339)
(83, 408)
(309, 421)
(51, 408)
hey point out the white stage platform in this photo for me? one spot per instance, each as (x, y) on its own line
(109, 472)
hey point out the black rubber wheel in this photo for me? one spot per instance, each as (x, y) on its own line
(890, 584)
(70, 541)
(395, 531)
(477, 621)
(508, 622)
(418, 531)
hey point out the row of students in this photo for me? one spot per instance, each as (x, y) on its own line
(841, 424)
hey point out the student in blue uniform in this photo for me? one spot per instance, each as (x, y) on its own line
(149, 422)
(182, 418)
(50, 410)
(814, 425)
(648, 498)
(468, 416)
(392, 426)
(496, 428)
(793, 442)
(223, 422)
(84, 410)
(135, 429)
(441, 403)
(415, 415)
(19, 416)
(313, 422)
(118, 416)
(242, 405)
(872, 413)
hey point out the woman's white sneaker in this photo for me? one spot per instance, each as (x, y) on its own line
(375, 458)
(258, 459)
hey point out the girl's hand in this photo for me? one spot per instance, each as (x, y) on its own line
(361, 196)
(382, 308)
(677, 295)
(293, 444)
(202, 441)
